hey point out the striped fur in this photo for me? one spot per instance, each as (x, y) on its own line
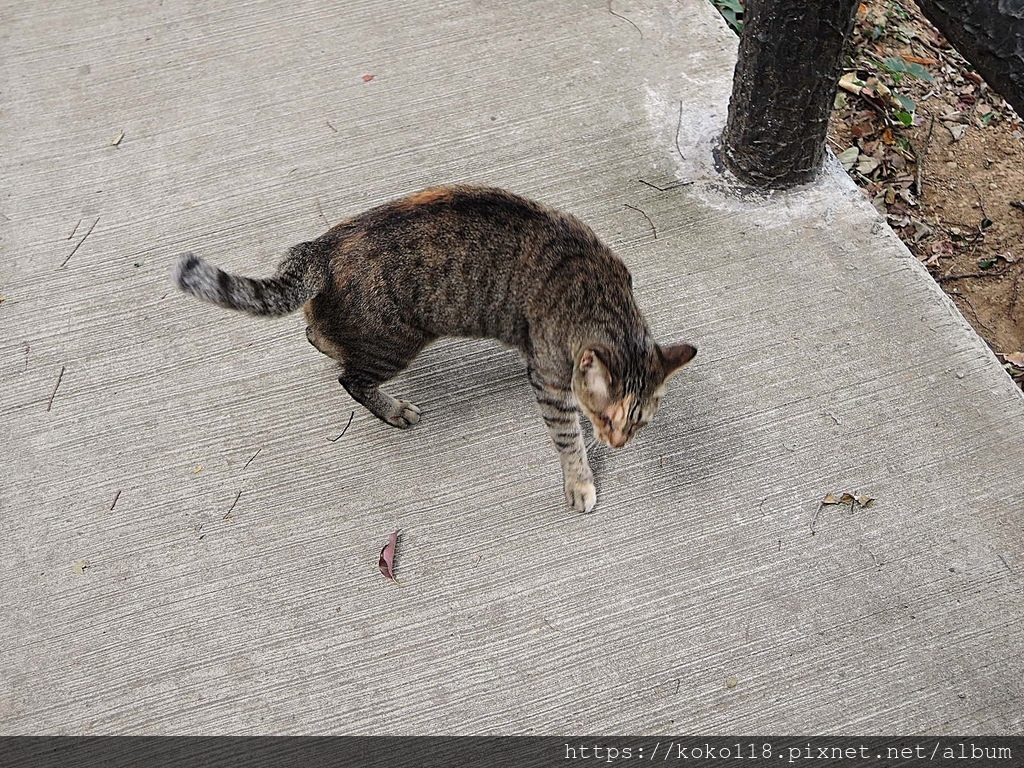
(478, 262)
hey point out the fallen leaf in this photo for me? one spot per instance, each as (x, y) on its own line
(368, 78)
(850, 82)
(867, 164)
(1016, 359)
(956, 129)
(117, 141)
(80, 566)
(386, 563)
(848, 157)
(848, 498)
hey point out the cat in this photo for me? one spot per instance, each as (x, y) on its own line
(477, 262)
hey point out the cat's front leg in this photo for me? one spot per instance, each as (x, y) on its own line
(558, 409)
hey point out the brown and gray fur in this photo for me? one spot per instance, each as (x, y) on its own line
(479, 262)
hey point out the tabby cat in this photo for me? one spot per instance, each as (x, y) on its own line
(471, 261)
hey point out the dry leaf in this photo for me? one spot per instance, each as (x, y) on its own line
(848, 498)
(848, 157)
(386, 563)
(850, 82)
(1016, 359)
(80, 566)
(867, 164)
(368, 78)
(956, 129)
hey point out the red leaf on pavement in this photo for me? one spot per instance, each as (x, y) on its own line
(387, 557)
(368, 78)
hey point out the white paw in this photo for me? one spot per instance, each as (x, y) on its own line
(405, 415)
(581, 495)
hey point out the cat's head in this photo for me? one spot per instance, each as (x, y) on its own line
(621, 394)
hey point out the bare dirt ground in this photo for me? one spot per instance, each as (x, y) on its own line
(942, 157)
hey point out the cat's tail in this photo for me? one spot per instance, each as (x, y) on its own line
(301, 276)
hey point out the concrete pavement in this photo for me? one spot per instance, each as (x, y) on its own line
(186, 548)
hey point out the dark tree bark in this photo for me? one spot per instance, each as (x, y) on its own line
(990, 35)
(783, 90)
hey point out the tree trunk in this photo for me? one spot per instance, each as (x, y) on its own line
(790, 60)
(990, 35)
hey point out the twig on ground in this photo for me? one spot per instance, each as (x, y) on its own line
(1015, 291)
(966, 275)
(679, 124)
(667, 187)
(53, 394)
(116, 497)
(331, 126)
(237, 497)
(814, 520)
(79, 245)
(919, 171)
(253, 457)
(336, 439)
(75, 229)
(967, 301)
(653, 228)
(981, 203)
(620, 16)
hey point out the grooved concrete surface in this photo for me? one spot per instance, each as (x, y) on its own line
(232, 587)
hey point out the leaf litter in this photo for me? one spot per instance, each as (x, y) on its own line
(940, 156)
(932, 147)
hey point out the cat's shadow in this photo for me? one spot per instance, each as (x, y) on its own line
(467, 379)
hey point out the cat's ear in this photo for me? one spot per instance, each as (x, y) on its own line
(675, 357)
(595, 372)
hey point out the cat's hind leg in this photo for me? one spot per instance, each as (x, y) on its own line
(366, 391)
(561, 417)
(365, 368)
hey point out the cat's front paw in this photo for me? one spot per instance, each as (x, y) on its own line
(403, 415)
(581, 494)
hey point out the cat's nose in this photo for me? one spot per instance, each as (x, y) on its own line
(618, 439)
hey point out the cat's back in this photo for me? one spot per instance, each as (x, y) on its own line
(475, 258)
(480, 225)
